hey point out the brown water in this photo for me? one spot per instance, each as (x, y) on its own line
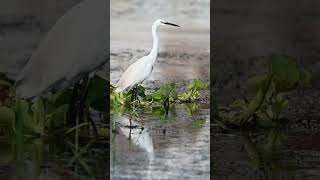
(174, 148)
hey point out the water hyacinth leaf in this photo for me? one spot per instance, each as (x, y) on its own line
(38, 111)
(279, 105)
(36, 123)
(192, 109)
(62, 97)
(6, 154)
(305, 77)
(59, 116)
(99, 105)
(239, 103)
(251, 150)
(199, 123)
(256, 102)
(141, 91)
(255, 83)
(283, 86)
(159, 112)
(165, 92)
(4, 83)
(97, 90)
(118, 99)
(275, 140)
(285, 69)
(193, 91)
(23, 115)
(7, 115)
(200, 84)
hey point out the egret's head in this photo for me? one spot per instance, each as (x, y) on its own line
(164, 22)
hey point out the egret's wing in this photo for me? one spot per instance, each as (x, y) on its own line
(135, 74)
(75, 46)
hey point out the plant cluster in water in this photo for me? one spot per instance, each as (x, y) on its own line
(267, 95)
(45, 115)
(263, 110)
(160, 101)
(45, 118)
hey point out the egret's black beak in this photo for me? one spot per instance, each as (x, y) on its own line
(171, 24)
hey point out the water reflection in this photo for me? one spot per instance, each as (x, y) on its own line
(264, 153)
(264, 148)
(136, 133)
(137, 137)
(157, 145)
(25, 158)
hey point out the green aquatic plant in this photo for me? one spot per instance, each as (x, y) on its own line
(198, 123)
(125, 98)
(47, 114)
(193, 91)
(97, 94)
(193, 112)
(166, 94)
(264, 148)
(267, 95)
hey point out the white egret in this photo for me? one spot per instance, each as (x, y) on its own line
(76, 45)
(141, 69)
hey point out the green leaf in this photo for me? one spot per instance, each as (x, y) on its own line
(62, 97)
(251, 150)
(284, 68)
(165, 92)
(305, 77)
(59, 116)
(200, 84)
(38, 117)
(7, 115)
(257, 82)
(159, 112)
(279, 105)
(255, 103)
(141, 91)
(239, 103)
(6, 154)
(199, 123)
(193, 91)
(23, 115)
(4, 83)
(99, 105)
(97, 90)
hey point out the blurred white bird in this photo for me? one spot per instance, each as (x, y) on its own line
(77, 45)
(142, 68)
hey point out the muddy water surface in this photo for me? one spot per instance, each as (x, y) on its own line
(172, 147)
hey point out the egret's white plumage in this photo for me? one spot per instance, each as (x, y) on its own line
(76, 46)
(142, 68)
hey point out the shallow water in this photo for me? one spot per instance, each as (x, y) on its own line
(51, 159)
(174, 149)
(164, 149)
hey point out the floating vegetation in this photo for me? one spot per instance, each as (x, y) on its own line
(45, 115)
(30, 125)
(160, 101)
(193, 91)
(267, 95)
(258, 118)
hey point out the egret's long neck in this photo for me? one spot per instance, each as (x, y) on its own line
(154, 51)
